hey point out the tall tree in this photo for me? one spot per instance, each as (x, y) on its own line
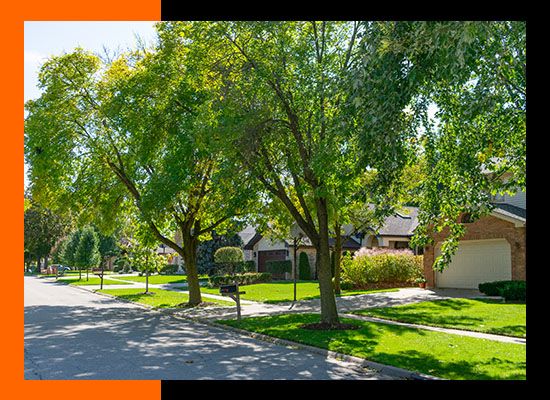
(42, 229)
(69, 251)
(284, 89)
(87, 252)
(138, 128)
(459, 90)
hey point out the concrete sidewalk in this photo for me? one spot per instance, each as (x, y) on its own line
(345, 305)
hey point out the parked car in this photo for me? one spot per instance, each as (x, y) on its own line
(60, 269)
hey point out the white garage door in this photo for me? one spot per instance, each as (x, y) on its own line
(477, 261)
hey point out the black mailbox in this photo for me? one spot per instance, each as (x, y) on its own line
(228, 289)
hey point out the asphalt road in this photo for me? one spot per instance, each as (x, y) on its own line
(74, 334)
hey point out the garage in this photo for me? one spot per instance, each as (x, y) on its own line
(270, 255)
(475, 262)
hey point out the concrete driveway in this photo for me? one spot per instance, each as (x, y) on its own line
(74, 334)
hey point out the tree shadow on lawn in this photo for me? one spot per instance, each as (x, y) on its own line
(510, 330)
(428, 318)
(365, 341)
(426, 363)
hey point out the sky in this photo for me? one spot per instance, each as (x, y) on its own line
(45, 39)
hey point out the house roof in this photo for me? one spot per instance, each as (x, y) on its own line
(249, 245)
(247, 234)
(400, 224)
(511, 211)
(348, 244)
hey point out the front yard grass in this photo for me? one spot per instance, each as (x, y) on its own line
(159, 279)
(434, 353)
(278, 292)
(160, 299)
(93, 280)
(489, 316)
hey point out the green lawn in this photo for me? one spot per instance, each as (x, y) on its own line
(434, 353)
(159, 279)
(160, 299)
(93, 280)
(489, 316)
(277, 292)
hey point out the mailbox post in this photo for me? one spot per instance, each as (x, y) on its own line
(233, 292)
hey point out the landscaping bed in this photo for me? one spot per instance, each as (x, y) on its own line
(483, 315)
(433, 353)
(159, 298)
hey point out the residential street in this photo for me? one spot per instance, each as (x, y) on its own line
(74, 334)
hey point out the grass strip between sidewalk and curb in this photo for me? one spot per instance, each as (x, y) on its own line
(433, 353)
(360, 362)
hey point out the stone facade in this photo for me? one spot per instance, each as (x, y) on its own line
(489, 227)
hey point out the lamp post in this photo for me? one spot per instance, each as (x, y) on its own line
(296, 234)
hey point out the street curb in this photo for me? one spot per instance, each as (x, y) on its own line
(361, 362)
(380, 368)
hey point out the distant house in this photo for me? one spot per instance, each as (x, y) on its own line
(492, 249)
(395, 233)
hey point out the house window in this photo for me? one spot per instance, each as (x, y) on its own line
(254, 254)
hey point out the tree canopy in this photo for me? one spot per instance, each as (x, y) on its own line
(318, 123)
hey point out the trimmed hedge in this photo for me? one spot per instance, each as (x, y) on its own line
(247, 278)
(389, 268)
(249, 266)
(510, 290)
(278, 266)
(304, 270)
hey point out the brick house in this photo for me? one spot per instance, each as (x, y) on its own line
(395, 233)
(492, 249)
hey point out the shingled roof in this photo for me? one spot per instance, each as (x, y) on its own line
(511, 211)
(402, 223)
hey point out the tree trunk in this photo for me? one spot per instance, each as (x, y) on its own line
(329, 312)
(146, 281)
(190, 258)
(337, 257)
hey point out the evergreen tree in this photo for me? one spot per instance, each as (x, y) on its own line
(87, 253)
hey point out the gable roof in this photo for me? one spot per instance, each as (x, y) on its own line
(247, 234)
(401, 223)
(252, 241)
(509, 211)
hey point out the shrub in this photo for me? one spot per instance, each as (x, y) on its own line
(229, 258)
(278, 266)
(304, 270)
(510, 290)
(369, 268)
(228, 255)
(169, 269)
(207, 248)
(247, 278)
(249, 266)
